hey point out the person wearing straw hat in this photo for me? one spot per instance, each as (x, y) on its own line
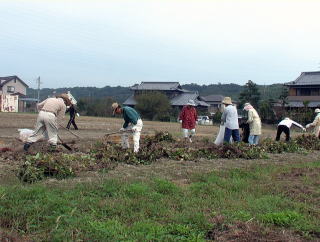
(50, 111)
(189, 117)
(315, 123)
(132, 123)
(254, 122)
(230, 120)
(284, 126)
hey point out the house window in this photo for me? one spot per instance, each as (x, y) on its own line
(308, 92)
(303, 92)
(315, 92)
(10, 89)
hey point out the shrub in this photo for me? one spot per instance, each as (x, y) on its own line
(284, 218)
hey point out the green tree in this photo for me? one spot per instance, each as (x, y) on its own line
(266, 111)
(95, 107)
(154, 106)
(284, 96)
(250, 94)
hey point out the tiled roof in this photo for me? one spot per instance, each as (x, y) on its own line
(297, 104)
(183, 99)
(161, 86)
(306, 78)
(179, 100)
(130, 101)
(7, 79)
(303, 98)
(213, 98)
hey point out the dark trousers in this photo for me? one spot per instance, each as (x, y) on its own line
(72, 121)
(285, 129)
(231, 132)
(245, 132)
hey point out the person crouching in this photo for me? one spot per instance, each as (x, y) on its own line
(284, 127)
(132, 123)
(50, 111)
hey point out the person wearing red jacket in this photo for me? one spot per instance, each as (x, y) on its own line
(189, 117)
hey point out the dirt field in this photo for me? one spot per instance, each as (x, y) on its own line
(93, 128)
(180, 172)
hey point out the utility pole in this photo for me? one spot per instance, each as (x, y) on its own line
(39, 82)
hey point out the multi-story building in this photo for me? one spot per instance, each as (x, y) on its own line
(177, 96)
(305, 90)
(12, 92)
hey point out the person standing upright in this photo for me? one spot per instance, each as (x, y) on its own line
(132, 123)
(230, 120)
(254, 122)
(73, 112)
(315, 123)
(188, 116)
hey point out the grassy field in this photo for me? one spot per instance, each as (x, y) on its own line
(274, 199)
(248, 203)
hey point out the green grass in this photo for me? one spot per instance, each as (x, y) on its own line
(156, 209)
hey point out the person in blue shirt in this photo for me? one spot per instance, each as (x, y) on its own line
(132, 124)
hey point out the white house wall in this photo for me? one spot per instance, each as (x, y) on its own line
(9, 103)
(18, 87)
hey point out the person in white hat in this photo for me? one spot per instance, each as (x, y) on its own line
(230, 120)
(284, 126)
(254, 122)
(188, 116)
(315, 123)
(132, 123)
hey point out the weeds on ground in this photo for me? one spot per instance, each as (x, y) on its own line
(157, 209)
(105, 156)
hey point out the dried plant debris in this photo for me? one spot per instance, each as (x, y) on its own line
(106, 155)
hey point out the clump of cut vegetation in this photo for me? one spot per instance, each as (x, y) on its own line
(277, 147)
(308, 142)
(105, 156)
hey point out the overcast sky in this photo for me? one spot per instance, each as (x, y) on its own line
(123, 42)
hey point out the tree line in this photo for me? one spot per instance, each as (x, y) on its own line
(93, 101)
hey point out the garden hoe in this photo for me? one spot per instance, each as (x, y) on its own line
(70, 131)
(117, 132)
(64, 144)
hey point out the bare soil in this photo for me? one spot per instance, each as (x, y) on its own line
(92, 129)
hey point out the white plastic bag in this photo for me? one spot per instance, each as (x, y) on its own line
(24, 134)
(220, 138)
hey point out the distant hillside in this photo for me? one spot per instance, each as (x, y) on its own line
(119, 93)
(122, 93)
(233, 90)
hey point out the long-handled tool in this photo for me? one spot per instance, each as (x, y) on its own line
(64, 144)
(118, 132)
(70, 131)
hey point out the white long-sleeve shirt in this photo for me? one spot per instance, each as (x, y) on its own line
(289, 122)
(230, 117)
